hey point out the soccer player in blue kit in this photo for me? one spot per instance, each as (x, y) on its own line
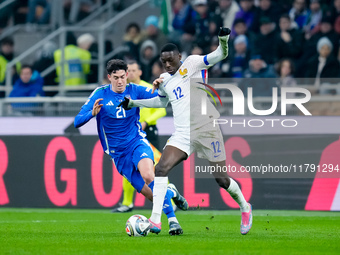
(122, 137)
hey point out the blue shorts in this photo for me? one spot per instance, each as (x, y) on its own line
(127, 164)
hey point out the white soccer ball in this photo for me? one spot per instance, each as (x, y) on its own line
(137, 225)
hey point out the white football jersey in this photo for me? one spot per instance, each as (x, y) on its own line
(186, 101)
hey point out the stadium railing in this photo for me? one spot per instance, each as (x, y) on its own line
(70, 106)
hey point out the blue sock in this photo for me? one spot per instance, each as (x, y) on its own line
(151, 185)
(167, 206)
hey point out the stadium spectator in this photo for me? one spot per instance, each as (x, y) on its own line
(77, 64)
(258, 68)
(76, 10)
(285, 71)
(240, 28)
(299, 13)
(30, 83)
(335, 13)
(5, 14)
(227, 10)
(152, 32)
(240, 59)
(157, 69)
(196, 50)
(44, 17)
(20, 11)
(183, 14)
(199, 27)
(44, 60)
(267, 8)
(314, 18)
(247, 12)
(203, 40)
(87, 42)
(132, 38)
(148, 53)
(290, 40)
(264, 44)
(324, 65)
(7, 55)
(326, 30)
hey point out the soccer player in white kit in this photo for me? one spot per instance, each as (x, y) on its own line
(174, 87)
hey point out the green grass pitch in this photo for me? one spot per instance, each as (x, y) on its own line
(77, 231)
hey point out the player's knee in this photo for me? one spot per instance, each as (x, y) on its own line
(161, 170)
(223, 182)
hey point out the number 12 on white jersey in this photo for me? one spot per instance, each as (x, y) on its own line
(178, 92)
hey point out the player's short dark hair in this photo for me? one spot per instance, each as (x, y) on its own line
(132, 62)
(169, 47)
(114, 65)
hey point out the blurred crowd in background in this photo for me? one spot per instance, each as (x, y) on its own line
(286, 39)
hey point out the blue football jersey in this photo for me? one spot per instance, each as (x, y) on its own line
(118, 129)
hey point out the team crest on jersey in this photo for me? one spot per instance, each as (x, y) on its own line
(184, 73)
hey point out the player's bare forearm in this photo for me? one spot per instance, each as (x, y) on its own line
(222, 50)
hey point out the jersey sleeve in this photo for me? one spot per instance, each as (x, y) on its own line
(161, 92)
(85, 113)
(144, 92)
(197, 62)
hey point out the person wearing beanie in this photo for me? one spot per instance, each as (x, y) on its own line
(240, 59)
(310, 46)
(323, 65)
(152, 31)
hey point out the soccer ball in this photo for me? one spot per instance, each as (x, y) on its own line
(137, 225)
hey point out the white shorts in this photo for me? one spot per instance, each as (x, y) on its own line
(207, 141)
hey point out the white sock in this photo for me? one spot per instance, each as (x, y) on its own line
(159, 191)
(172, 219)
(235, 192)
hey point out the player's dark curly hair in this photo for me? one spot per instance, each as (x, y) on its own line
(114, 65)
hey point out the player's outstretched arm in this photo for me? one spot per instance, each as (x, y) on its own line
(155, 102)
(87, 112)
(222, 50)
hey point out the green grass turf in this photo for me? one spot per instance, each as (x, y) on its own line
(76, 231)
